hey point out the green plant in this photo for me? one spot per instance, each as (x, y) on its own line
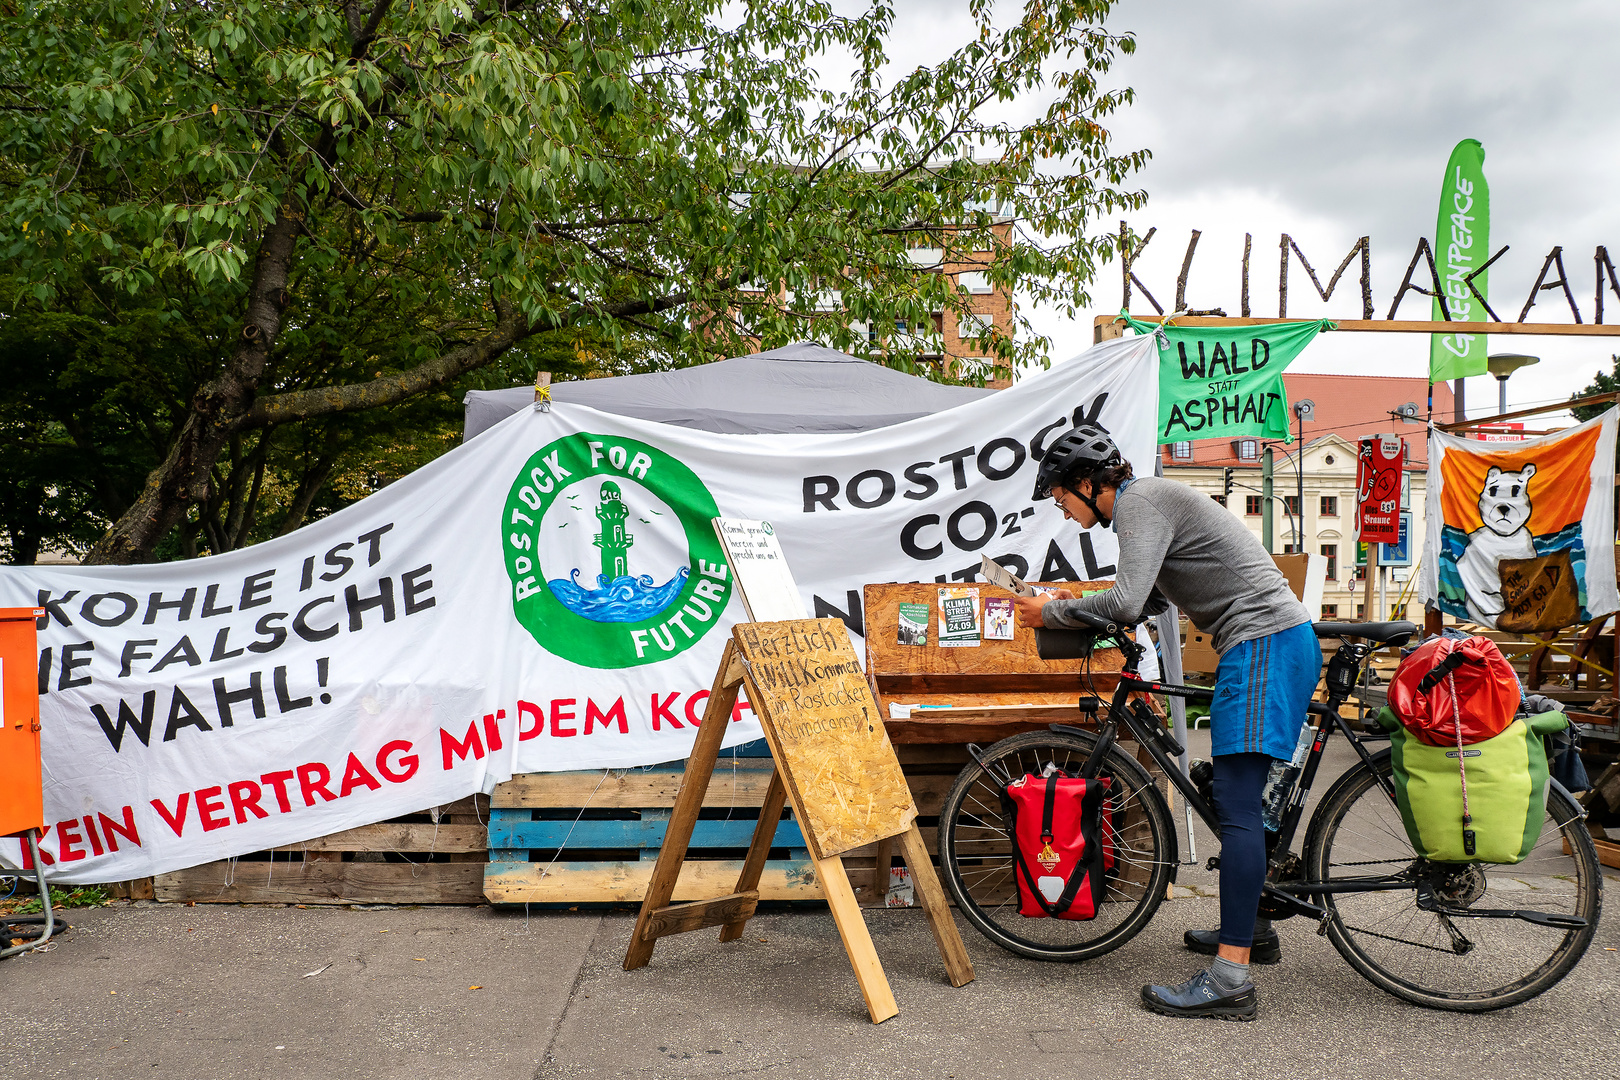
(81, 896)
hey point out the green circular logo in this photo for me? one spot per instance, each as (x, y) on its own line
(611, 554)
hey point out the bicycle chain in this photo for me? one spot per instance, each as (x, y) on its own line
(1400, 941)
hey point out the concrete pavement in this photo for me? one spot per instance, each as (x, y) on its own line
(217, 992)
(221, 993)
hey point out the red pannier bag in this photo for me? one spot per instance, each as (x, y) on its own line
(1487, 691)
(1062, 845)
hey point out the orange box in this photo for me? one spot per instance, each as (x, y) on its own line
(22, 805)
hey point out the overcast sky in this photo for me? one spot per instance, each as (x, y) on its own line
(1330, 121)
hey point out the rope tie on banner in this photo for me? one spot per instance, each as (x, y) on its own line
(547, 871)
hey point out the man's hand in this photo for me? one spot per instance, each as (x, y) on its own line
(1029, 609)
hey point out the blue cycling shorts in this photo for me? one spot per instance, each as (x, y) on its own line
(1262, 688)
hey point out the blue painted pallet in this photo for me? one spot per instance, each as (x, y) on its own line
(569, 837)
(507, 831)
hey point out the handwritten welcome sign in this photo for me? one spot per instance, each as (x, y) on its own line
(825, 733)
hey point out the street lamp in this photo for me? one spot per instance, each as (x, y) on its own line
(1502, 365)
(1304, 410)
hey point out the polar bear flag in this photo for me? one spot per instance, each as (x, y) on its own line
(1521, 537)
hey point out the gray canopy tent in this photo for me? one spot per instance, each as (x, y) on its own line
(798, 388)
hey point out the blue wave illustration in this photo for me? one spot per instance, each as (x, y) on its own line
(622, 600)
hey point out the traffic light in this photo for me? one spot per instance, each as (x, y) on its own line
(1227, 494)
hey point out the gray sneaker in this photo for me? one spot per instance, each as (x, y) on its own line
(1267, 948)
(1201, 996)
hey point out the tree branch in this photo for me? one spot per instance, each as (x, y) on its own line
(510, 328)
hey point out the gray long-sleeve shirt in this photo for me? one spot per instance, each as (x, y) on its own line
(1191, 549)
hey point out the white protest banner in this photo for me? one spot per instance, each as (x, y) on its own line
(551, 595)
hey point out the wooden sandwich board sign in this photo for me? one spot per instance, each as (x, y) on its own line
(835, 765)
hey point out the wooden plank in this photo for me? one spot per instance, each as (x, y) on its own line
(641, 791)
(863, 957)
(399, 836)
(768, 826)
(1608, 852)
(918, 855)
(694, 784)
(626, 882)
(324, 883)
(900, 686)
(548, 835)
(1407, 326)
(476, 805)
(1064, 712)
(679, 918)
(928, 730)
(825, 733)
(743, 786)
(916, 756)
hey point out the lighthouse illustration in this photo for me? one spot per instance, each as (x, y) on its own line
(613, 540)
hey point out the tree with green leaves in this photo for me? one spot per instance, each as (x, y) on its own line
(1603, 382)
(341, 207)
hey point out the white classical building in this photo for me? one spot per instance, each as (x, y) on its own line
(1347, 408)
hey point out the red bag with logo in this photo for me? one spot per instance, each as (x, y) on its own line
(1474, 669)
(1062, 844)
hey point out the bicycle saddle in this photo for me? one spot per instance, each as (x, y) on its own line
(1386, 633)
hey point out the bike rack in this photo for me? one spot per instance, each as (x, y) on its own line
(49, 915)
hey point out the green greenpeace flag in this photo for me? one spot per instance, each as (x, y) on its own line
(1462, 243)
(1219, 381)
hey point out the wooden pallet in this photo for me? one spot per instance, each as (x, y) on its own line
(593, 837)
(433, 857)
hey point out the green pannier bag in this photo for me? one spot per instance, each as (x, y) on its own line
(1507, 790)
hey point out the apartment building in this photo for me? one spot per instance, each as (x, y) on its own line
(949, 341)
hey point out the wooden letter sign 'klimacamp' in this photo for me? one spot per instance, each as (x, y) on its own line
(835, 764)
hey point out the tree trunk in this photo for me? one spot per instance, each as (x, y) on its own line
(216, 410)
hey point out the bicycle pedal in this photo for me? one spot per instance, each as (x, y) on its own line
(1322, 926)
(1214, 863)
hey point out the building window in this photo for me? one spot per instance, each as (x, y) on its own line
(1292, 502)
(1220, 499)
(1330, 506)
(1361, 611)
(976, 282)
(971, 326)
(1181, 451)
(1248, 449)
(1251, 505)
(1330, 552)
(1330, 611)
(1290, 549)
(1361, 573)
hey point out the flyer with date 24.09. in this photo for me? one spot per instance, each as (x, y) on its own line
(958, 617)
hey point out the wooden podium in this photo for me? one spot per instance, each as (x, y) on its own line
(835, 764)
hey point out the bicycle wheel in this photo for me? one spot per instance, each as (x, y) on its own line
(1463, 965)
(976, 854)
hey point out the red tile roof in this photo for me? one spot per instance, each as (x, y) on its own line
(1350, 406)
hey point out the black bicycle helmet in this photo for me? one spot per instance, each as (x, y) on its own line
(1086, 449)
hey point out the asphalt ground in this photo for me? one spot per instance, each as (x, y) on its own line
(216, 992)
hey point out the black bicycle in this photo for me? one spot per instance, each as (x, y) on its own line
(1469, 937)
